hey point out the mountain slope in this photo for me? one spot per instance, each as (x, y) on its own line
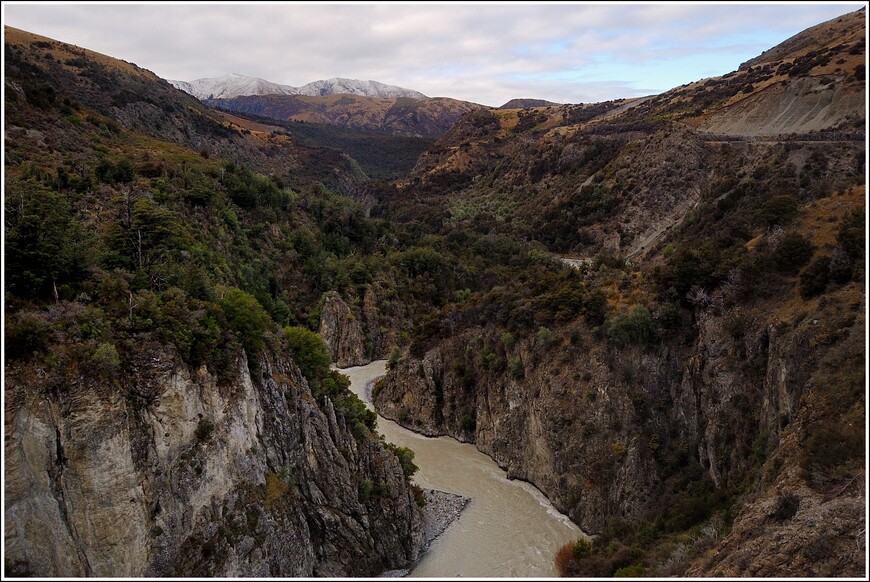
(164, 418)
(428, 118)
(692, 388)
(233, 85)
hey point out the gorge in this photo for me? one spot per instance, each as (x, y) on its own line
(643, 319)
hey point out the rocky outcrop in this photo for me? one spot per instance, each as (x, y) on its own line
(162, 471)
(341, 331)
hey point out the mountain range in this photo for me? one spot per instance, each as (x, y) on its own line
(233, 85)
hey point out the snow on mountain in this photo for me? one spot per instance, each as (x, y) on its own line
(354, 87)
(233, 85)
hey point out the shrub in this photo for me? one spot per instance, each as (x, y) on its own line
(814, 278)
(565, 560)
(204, 429)
(406, 460)
(247, 318)
(26, 333)
(277, 491)
(831, 455)
(517, 370)
(106, 358)
(581, 549)
(792, 252)
(786, 507)
(634, 327)
(310, 354)
(395, 358)
(365, 489)
(507, 339)
(633, 571)
(544, 337)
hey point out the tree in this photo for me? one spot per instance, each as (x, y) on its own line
(310, 354)
(44, 246)
(246, 317)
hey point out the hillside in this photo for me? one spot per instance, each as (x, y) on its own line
(427, 118)
(163, 390)
(380, 155)
(691, 386)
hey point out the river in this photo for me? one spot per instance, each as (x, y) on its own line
(508, 530)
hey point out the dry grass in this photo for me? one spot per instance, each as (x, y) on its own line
(820, 220)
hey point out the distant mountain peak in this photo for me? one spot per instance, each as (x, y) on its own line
(235, 85)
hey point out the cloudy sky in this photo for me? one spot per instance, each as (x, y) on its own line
(486, 53)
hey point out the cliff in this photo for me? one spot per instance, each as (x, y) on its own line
(163, 471)
(673, 434)
(341, 331)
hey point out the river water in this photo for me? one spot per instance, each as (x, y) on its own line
(508, 530)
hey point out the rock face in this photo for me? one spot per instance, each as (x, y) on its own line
(341, 331)
(605, 432)
(164, 472)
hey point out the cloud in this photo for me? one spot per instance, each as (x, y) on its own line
(484, 53)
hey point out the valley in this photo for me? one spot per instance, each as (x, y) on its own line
(643, 319)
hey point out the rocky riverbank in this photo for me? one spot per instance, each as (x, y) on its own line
(440, 510)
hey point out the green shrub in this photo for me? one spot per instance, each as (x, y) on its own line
(517, 370)
(633, 571)
(395, 358)
(634, 327)
(507, 339)
(311, 355)
(106, 358)
(543, 337)
(581, 549)
(247, 318)
(406, 458)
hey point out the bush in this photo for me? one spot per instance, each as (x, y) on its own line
(832, 454)
(247, 318)
(565, 560)
(543, 337)
(792, 252)
(633, 571)
(204, 429)
(581, 549)
(310, 354)
(634, 327)
(26, 333)
(814, 278)
(517, 370)
(786, 507)
(395, 358)
(106, 358)
(406, 458)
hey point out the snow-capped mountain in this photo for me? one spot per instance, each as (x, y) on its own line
(365, 88)
(233, 85)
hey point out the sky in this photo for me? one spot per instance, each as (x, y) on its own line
(485, 53)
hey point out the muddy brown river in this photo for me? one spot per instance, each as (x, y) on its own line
(508, 530)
